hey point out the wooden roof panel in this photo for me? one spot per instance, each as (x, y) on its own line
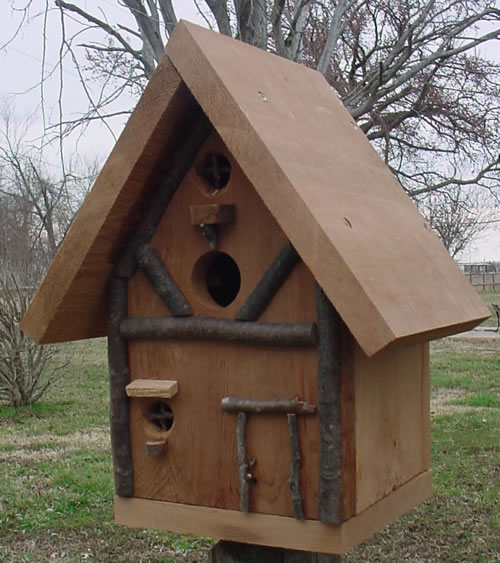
(346, 214)
(362, 237)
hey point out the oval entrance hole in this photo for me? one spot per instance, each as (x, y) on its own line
(222, 279)
(215, 171)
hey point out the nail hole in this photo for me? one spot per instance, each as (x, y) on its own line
(262, 96)
(347, 222)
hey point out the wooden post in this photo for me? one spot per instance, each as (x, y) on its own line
(329, 410)
(118, 380)
(232, 552)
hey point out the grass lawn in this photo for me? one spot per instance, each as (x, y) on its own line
(56, 482)
(489, 298)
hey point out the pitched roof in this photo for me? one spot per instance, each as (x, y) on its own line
(341, 207)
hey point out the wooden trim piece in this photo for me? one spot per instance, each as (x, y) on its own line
(158, 203)
(154, 388)
(329, 387)
(162, 281)
(267, 406)
(212, 214)
(294, 477)
(118, 379)
(273, 278)
(277, 531)
(208, 328)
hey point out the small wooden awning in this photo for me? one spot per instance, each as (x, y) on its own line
(341, 207)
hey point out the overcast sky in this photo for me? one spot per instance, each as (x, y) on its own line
(20, 63)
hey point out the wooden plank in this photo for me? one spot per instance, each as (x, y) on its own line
(261, 529)
(391, 420)
(203, 432)
(383, 269)
(76, 283)
(335, 199)
(159, 388)
(212, 214)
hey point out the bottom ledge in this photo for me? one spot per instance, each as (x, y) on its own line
(269, 530)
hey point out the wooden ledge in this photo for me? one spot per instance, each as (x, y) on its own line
(154, 388)
(273, 531)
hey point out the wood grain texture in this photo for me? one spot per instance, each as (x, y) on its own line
(77, 282)
(341, 207)
(160, 388)
(391, 420)
(334, 198)
(212, 214)
(261, 529)
(209, 371)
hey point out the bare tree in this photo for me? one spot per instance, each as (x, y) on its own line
(409, 71)
(37, 207)
(458, 217)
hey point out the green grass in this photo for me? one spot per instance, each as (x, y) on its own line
(56, 484)
(490, 297)
(465, 371)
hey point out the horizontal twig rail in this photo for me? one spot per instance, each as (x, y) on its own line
(208, 328)
(266, 406)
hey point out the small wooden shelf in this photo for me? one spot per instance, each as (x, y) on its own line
(154, 388)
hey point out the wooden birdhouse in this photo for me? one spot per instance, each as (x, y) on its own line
(268, 292)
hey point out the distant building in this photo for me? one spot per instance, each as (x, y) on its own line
(479, 267)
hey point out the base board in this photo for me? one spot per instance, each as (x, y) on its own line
(273, 531)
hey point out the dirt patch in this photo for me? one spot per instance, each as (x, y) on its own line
(442, 396)
(482, 342)
(31, 450)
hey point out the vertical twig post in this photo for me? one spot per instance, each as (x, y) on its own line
(331, 438)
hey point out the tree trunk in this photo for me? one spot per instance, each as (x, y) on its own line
(231, 552)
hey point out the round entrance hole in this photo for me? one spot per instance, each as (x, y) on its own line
(218, 277)
(215, 171)
(161, 416)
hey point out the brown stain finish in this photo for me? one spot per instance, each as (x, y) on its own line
(392, 420)
(200, 464)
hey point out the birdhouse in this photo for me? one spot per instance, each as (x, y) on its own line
(268, 292)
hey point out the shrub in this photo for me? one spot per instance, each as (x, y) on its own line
(26, 369)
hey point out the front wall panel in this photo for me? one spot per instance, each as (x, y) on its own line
(200, 464)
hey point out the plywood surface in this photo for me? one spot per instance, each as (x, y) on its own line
(360, 235)
(269, 530)
(200, 465)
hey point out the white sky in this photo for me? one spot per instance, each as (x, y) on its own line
(20, 64)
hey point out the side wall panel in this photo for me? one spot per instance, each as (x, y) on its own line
(392, 420)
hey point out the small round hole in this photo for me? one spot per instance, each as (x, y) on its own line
(161, 416)
(215, 171)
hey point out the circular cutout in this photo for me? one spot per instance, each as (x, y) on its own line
(218, 277)
(215, 170)
(161, 416)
